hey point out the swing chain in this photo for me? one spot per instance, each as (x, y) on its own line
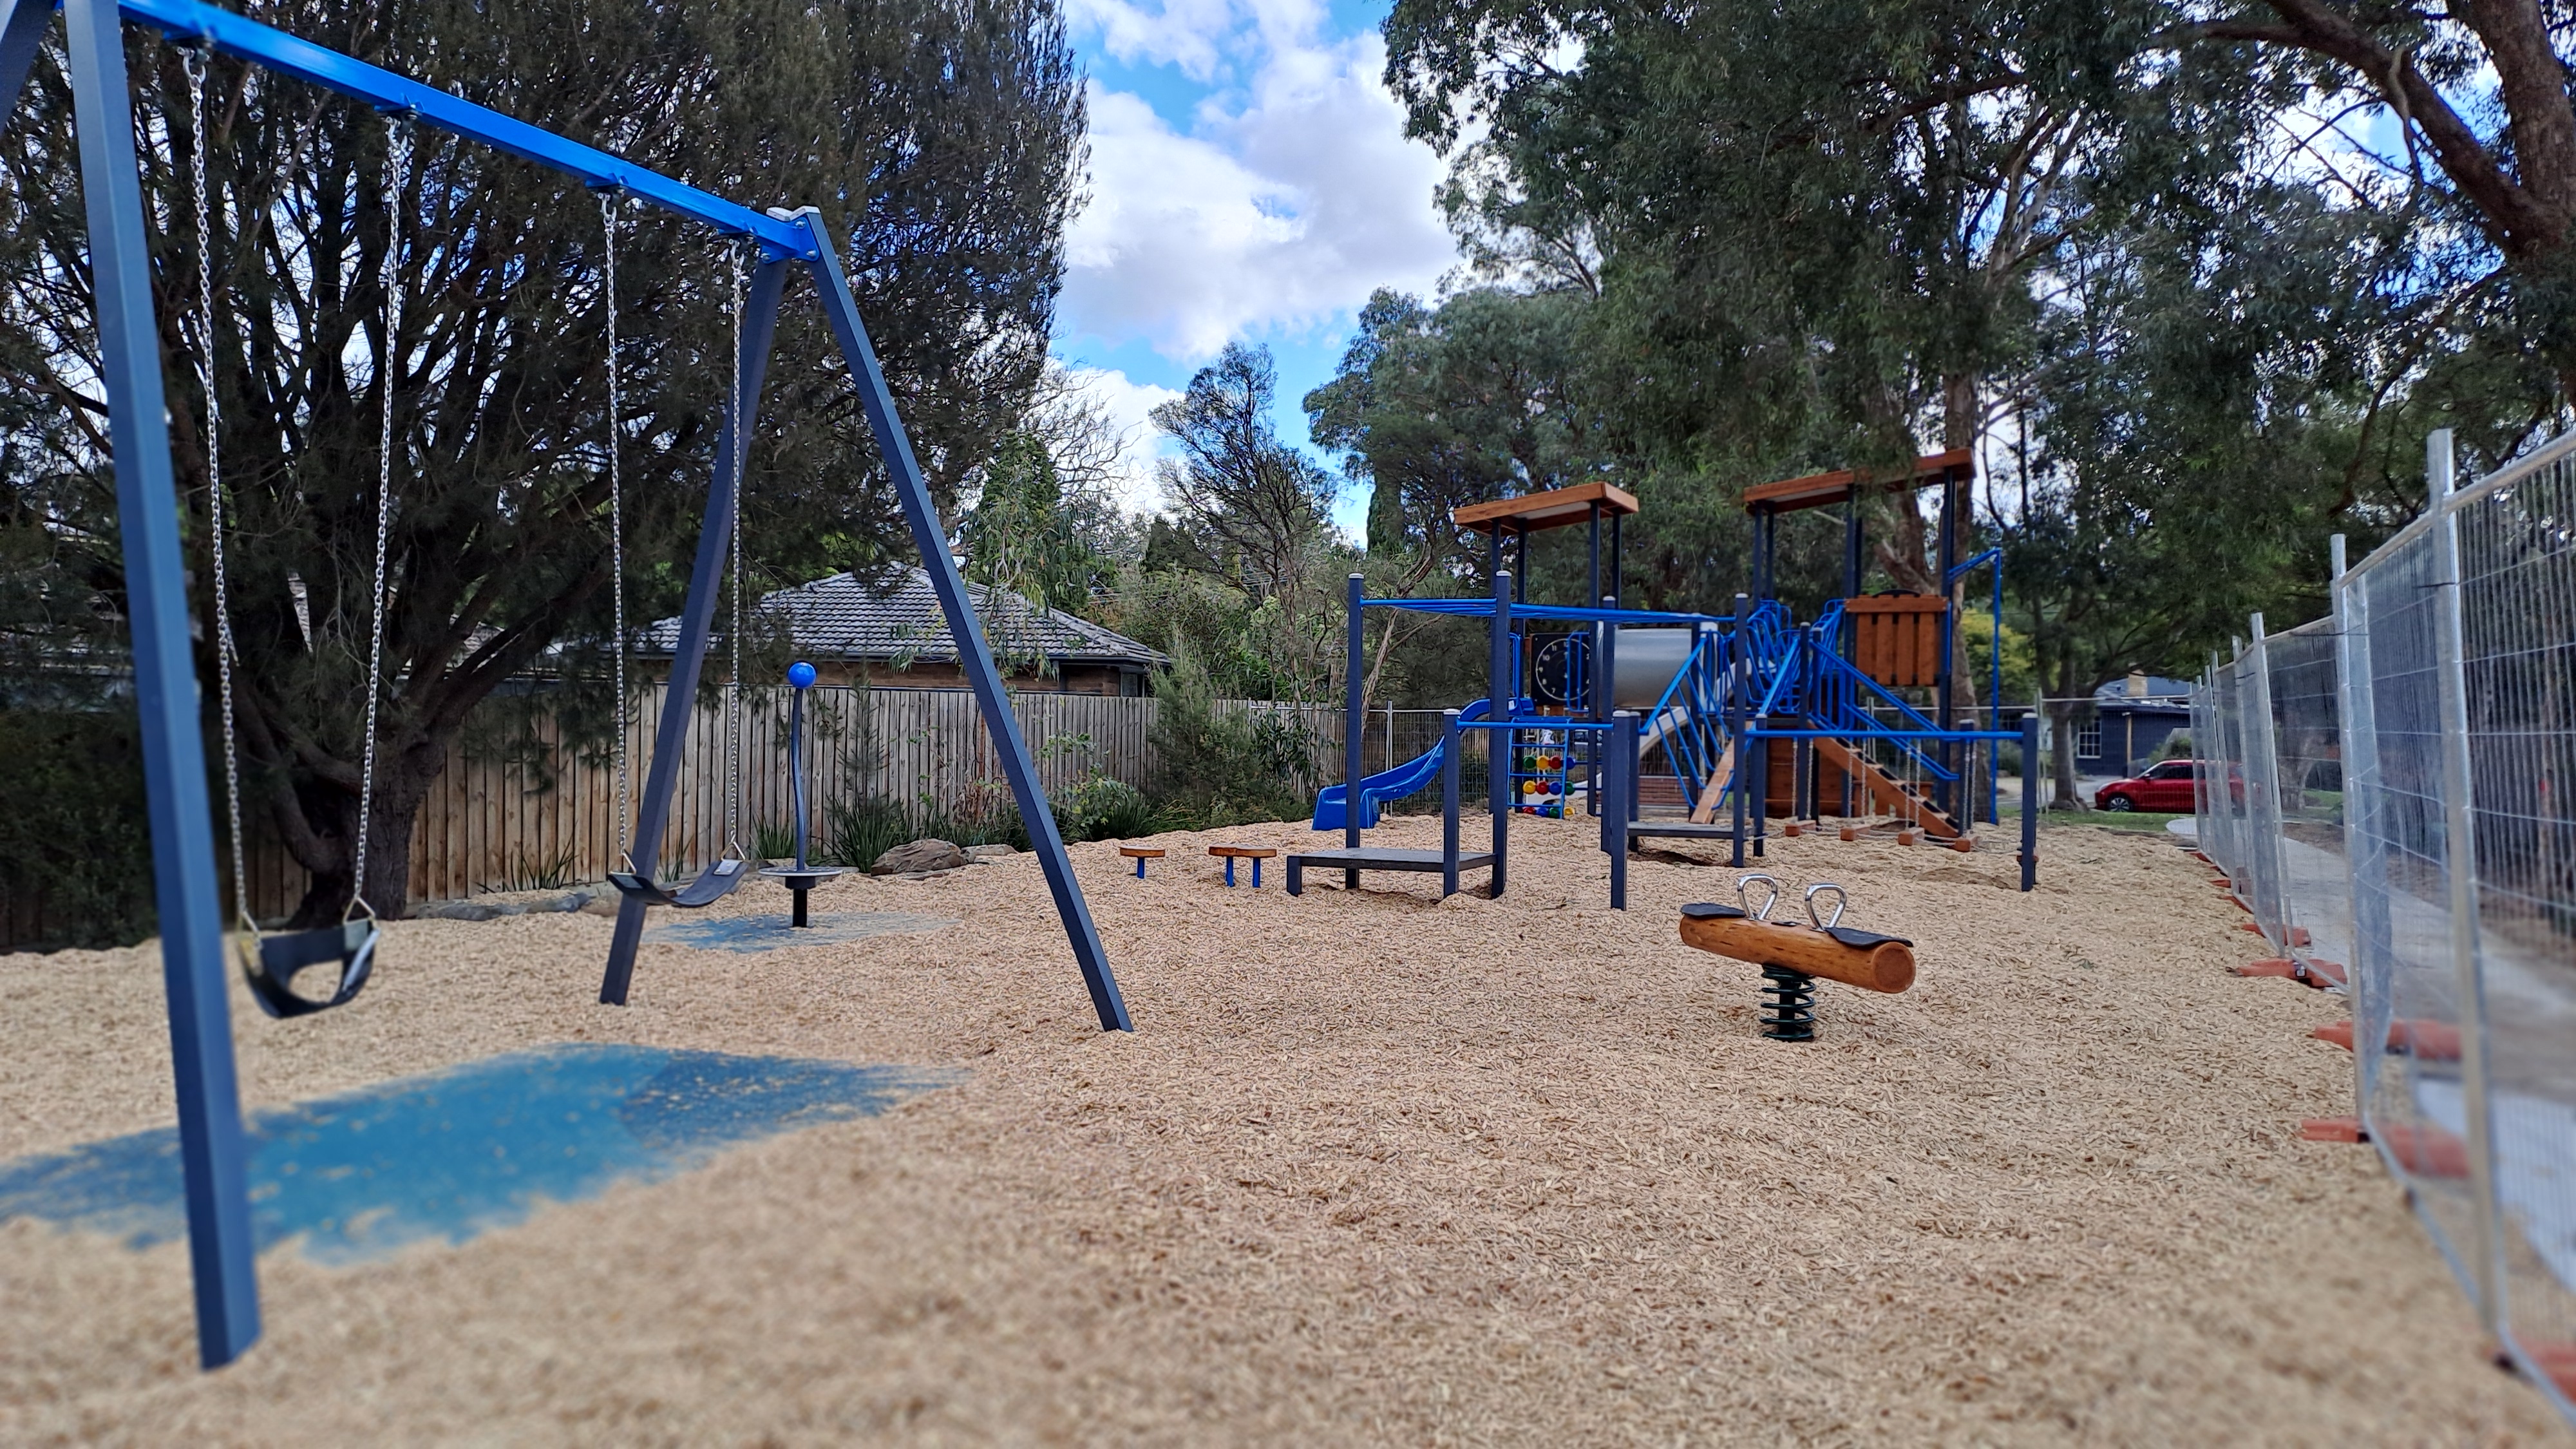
(193, 60)
(608, 206)
(738, 429)
(397, 172)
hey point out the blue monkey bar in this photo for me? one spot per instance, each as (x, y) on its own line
(213, 1152)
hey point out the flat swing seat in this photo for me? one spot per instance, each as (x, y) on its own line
(710, 886)
(270, 965)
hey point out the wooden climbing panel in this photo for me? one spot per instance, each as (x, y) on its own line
(1896, 638)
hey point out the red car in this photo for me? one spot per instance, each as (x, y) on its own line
(2164, 787)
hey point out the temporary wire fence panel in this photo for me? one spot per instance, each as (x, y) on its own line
(2314, 898)
(2516, 547)
(2388, 788)
(2416, 1111)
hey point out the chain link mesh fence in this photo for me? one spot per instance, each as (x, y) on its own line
(2386, 790)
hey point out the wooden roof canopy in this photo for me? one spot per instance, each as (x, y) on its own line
(1819, 490)
(1559, 508)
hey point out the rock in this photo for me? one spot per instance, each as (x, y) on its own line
(596, 899)
(918, 855)
(989, 852)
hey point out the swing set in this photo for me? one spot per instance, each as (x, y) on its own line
(213, 1147)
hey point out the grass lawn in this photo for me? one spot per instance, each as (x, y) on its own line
(2144, 820)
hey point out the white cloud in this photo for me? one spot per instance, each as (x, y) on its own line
(1126, 402)
(1291, 195)
(1184, 33)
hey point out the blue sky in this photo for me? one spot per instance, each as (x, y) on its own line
(1249, 182)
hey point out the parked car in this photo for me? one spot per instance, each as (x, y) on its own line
(2165, 787)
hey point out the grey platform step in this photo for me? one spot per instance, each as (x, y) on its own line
(1367, 859)
(1681, 829)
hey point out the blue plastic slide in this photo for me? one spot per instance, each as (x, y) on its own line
(1395, 784)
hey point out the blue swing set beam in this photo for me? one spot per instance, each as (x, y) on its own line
(214, 1150)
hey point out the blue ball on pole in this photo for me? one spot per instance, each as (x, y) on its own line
(801, 675)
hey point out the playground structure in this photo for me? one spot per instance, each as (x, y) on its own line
(1662, 722)
(212, 1142)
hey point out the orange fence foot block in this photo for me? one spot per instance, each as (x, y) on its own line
(2555, 1361)
(2427, 1151)
(2431, 1041)
(1850, 835)
(2319, 974)
(2332, 1129)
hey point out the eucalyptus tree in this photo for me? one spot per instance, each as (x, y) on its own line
(941, 138)
(1437, 408)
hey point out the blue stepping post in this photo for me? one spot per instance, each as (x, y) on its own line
(1232, 853)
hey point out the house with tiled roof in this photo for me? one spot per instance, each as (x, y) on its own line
(891, 634)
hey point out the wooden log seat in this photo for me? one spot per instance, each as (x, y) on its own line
(1866, 959)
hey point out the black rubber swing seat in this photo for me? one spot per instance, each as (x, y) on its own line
(270, 965)
(710, 886)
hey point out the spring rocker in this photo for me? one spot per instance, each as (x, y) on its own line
(1792, 955)
(799, 877)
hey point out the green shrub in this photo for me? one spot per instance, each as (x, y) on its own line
(1102, 808)
(1218, 765)
(75, 855)
(856, 832)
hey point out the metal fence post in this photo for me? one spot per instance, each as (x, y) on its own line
(2460, 857)
(2363, 857)
(2263, 797)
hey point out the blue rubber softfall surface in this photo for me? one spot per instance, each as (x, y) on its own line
(750, 934)
(463, 1151)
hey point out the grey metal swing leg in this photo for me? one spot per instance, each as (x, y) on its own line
(697, 621)
(213, 1153)
(973, 654)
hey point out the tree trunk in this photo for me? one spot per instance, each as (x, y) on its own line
(2061, 754)
(1959, 429)
(404, 778)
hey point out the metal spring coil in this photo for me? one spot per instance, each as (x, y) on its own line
(1788, 1004)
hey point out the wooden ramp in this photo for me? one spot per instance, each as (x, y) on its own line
(1706, 810)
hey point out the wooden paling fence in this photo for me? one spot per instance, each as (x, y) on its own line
(516, 807)
(534, 813)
